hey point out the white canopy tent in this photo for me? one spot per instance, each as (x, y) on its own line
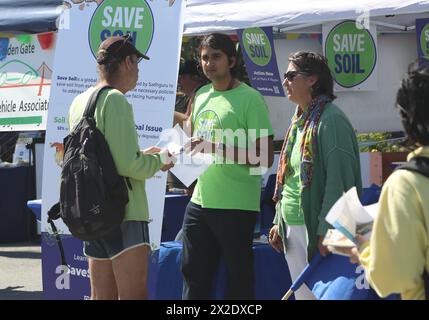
(395, 20)
(204, 16)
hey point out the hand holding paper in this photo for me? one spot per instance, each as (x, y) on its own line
(188, 166)
(350, 219)
(166, 157)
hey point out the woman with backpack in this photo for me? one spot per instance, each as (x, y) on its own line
(118, 261)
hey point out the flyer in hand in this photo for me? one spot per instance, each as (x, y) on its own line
(349, 217)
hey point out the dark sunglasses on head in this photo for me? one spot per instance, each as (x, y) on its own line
(290, 75)
(127, 38)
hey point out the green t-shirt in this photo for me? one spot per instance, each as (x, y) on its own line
(291, 195)
(216, 114)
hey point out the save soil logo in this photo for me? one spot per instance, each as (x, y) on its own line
(351, 54)
(207, 126)
(121, 17)
(424, 41)
(257, 46)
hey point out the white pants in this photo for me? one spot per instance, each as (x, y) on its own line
(296, 256)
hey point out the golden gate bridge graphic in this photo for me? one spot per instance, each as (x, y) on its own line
(18, 74)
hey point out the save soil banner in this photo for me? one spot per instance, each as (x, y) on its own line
(351, 50)
(259, 55)
(422, 32)
(156, 29)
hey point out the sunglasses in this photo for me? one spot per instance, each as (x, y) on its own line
(290, 75)
(127, 38)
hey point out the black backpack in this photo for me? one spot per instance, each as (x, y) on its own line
(93, 195)
(420, 165)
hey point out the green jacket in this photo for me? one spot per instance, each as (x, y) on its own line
(336, 168)
(115, 119)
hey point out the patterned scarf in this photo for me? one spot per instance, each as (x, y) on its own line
(309, 121)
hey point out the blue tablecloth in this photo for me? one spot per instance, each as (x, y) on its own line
(36, 208)
(174, 210)
(16, 222)
(271, 273)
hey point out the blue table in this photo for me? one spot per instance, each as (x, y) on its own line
(36, 208)
(271, 271)
(174, 210)
(272, 278)
(16, 223)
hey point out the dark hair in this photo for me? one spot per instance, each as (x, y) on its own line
(222, 42)
(315, 64)
(412, 100)
(110, 65)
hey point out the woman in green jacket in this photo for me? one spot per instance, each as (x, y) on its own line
(319, 161)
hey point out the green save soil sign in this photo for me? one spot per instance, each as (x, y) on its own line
(351, 53)
(121, 17)
(257, 46)
(422, 28)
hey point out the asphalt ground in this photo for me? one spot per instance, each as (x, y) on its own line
(21, 271)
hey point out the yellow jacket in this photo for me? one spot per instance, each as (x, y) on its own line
(398, 249)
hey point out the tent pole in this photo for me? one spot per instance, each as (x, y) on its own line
(393, 26)
(299, 26)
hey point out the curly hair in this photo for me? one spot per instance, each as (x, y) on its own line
(222, 42)
(412, 101)
(315, 64)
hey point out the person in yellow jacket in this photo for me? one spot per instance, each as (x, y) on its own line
(118, 262)
(398, 251)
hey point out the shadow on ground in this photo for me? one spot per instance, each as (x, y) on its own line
(14, 293)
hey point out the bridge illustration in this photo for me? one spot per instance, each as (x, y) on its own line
(28, 77)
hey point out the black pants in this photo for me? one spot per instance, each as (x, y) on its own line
(209, 234)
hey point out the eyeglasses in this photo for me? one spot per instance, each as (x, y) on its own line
(290, 75)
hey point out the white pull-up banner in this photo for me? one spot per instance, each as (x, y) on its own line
(156, 28)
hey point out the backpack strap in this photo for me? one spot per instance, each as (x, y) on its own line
(419, 165)
(53, 214)
(92, 102)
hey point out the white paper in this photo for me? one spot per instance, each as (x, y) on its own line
(348, 214)
(187, 168)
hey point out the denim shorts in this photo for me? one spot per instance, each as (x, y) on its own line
(128, 235)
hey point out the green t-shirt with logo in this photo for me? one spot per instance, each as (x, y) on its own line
(291, 194)
(241, 113)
